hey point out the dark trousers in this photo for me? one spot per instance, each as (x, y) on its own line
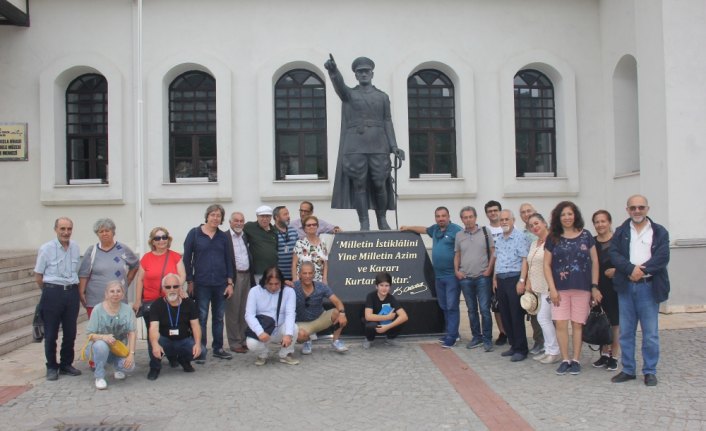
(537, 334)
(59, 308)
(179, 350)
(512, 313)
(371, 333)
(154, 362)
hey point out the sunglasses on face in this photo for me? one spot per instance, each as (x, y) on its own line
(311, 225)
(638, 207)
(161, 238)
(171, 287)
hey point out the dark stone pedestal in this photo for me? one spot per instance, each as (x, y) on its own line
(356, 257)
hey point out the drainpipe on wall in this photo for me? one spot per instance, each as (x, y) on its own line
(139, 133)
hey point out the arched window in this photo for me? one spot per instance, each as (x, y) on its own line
(535, 125)
(626, 117)
(192, 127)
(300, 125)
(432, 124)
(87, 129)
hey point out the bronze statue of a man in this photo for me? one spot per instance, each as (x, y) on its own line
(367, 138)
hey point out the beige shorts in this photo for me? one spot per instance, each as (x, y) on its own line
(321, 323)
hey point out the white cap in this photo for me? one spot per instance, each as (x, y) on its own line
(263, 210)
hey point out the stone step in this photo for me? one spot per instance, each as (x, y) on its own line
(15, 339)
(12, 258)
(16, 272)
(16, 319)
(15, 287)
(19, 301)
(22, 335)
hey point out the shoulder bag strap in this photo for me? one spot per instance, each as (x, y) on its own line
(279, 304)
(164, 267)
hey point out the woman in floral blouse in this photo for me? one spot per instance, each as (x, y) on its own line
(311, 249)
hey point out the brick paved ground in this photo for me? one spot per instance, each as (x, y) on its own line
(383, 388)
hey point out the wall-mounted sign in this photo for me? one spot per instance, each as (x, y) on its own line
(13, 141)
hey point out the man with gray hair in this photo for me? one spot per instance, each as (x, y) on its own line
(243, 281)
(473, 266)
(640, 252)
(56, 274)
(509, 283)
(262, 241)
(174, 331)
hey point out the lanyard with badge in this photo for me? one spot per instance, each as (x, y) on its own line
(173, 324)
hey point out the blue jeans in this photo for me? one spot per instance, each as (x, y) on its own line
(213, 295)
(448, 294)
(477, 292)
(637, 304)
(101, 356)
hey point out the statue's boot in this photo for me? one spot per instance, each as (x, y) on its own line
(381, 204)
(361, 206)
(382, 220)
(364, 221)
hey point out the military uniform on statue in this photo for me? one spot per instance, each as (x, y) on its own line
(363, 168)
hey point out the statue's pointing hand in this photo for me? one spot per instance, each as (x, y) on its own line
(330, 64)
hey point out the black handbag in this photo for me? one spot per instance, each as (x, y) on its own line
(597, 329)
(268, 325)
(144, 309)
(38, 324)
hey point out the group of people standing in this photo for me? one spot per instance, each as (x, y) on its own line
(241, 276)
(234, 274)
(567, 271)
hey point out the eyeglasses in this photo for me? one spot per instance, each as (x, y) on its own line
(161, 238)
(172, 287)
(311, 225)
(637, 207)
(304, 211)
(306, 301)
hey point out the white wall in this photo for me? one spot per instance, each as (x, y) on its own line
(246, 45)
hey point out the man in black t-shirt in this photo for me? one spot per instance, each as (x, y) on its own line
(383, 313)
(174, 331)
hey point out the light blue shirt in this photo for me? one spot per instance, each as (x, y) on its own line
(58, 265)
(509, 252)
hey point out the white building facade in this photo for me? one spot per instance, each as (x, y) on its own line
(147, 111)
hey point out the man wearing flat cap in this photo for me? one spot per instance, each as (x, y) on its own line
(367, 138)
(262, 241)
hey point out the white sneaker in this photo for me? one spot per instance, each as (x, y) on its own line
(306, 349)
(366, 344)
(339, 346)
(119, 375)
(101, 384)
(260, 361)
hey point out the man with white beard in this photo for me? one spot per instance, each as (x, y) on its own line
(175, 331)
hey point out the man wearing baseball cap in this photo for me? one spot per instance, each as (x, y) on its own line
(262, 241)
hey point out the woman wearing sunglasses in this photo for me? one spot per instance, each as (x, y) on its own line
(154, 265)
(311, 249)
